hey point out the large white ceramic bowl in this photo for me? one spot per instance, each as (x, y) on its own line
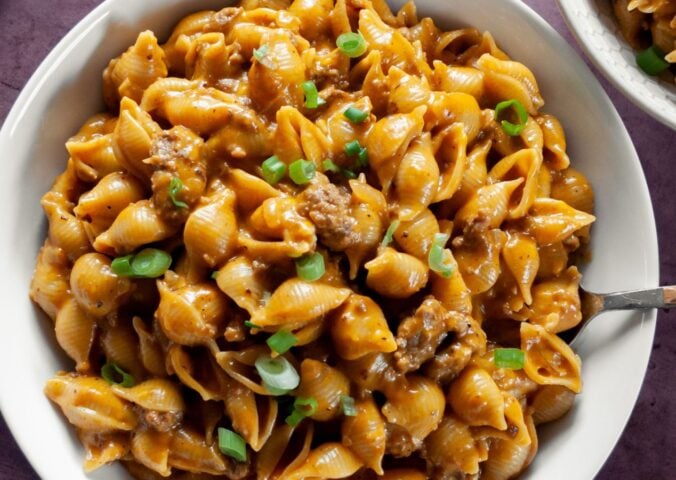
(66, 90)
(593, 24)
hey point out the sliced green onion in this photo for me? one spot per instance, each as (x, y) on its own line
(150, 263)
(352, 44)
(282, 341)
(651, 61)
(273, 170)
(310, 267)
(512, 129)
(330, 166)
(249, 324)
(347, 404)
(122, 266)
(114, 375)
(436, 256)
(512, 358)
(353, 148)
(312, 98)
(231, 444)
(389, 234)
(175, 187)
(347, 173)
(303, 407)
(260, 53)
(278, 375)
(356, 115)
(302, 171)
(214, 275)
(363, 158)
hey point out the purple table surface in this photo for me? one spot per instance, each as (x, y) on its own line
(28, 31)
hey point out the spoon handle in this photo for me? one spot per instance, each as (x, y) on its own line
(662, 297)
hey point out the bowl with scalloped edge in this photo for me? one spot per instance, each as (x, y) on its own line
(66, 90)
(596, 29)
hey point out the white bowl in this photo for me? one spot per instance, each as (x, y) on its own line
(66, 90)
(593, 24)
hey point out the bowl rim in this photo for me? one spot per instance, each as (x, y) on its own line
(570, 13)
(55, 59)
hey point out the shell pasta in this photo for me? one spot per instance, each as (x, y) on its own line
(315, 239)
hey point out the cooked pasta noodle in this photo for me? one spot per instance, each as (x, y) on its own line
(308, 241)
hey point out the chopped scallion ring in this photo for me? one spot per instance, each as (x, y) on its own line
(310, 267)
(278, 375)
(353, 148)
(347, 173)
(303, 407)
(356, 115)
(249, 324)
(347, 404)
(260, 53)
(302, 171)
(312, 98)
(436, 258)
(150, 263)
(214, 275)
(512, 358)
(122, 266)
(330, 166)
(512, 129)
(282, 341)
(389, 234)
(175, 187)
(114, 375)
(651, 60)
(231, 444)
(352, 44)
(273, 170)
(363, 157)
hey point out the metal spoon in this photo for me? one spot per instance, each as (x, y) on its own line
(594, 304)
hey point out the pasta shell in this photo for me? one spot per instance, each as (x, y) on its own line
(96, 288)
(407, 92)
(137, 225)
(155, 394)
(150, 351)
(452, 446)
(448, 108)
(239, 365)
(553, 259)
(120, 346)
(314, 15)
(330, 460)
(297, 137)
(417, 179)
(506, 459)
(365, 435)
(93, 158)
(190, 315)
(573, 188)
(89, 404)
(554, 142)
(520, 254)
(326, 385)
(506, 79)
(252, 419)
(238, 280)
(132, 138)
(477, 400)
(251, 190)
(360, 328)
(196, 371)
(415, 236)
(552, 221)
(369, 231)
(49, 287)
(373, 371)
(102, 449)
(75, 331)
(450, 78)
(151, 449)
(418, 408)
(65, 230)
(397, 275)
(452, 154)
(524, 164)
(551, 402)
(489, 205)
(296, 302)
(549, 360)
(556, 302)
(190, 451)
(285, 451)
(479, 260)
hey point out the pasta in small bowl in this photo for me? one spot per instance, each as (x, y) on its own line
(319, 239)
(633, 43)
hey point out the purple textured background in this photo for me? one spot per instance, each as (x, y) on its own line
(28, 31)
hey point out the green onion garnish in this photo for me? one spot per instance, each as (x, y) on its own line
(347, 173)
(282, 341)
(231, 444)
(122, 266)
(148, 263)
(510, 128)
(512, 358)
(114, 375)
(347, 403)
(363, 157)
(278, 375)
(355, 115)
(175, 187)
(302, 171)
(330, 166)
(312, 98)
(389, 234)
(303, 407)
(437, 254)
(214, 275)
(651, 61)
(352, 44)
(249, 324)
(310, 267)
(353, 148)
(260, 53)
(273, 170)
